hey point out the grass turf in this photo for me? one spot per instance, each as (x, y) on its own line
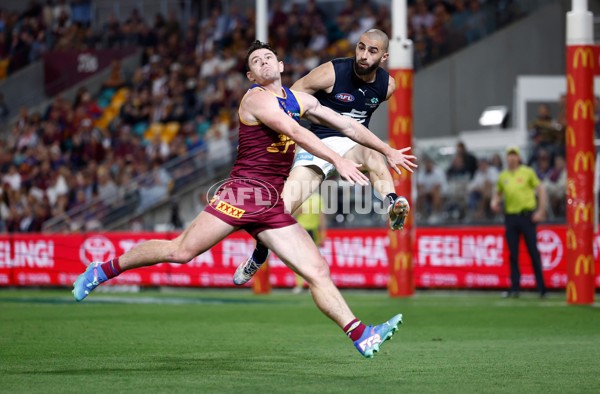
(233, 341)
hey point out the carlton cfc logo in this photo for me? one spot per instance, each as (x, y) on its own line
(345, 97)
(96, 248)
(550, 247)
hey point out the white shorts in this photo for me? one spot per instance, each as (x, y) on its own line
(340, 145)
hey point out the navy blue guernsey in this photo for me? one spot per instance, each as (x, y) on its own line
(351, 96)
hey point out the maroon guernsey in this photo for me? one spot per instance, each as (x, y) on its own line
(263, 153)
(251, 197)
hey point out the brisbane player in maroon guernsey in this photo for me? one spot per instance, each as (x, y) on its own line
(354, 87)
(250, 198)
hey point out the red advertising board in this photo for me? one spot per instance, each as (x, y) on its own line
(465, 257)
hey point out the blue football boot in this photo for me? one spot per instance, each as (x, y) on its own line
(374, 336)
(88, 281)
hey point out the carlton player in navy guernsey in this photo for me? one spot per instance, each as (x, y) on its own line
(269, 132)
(352, 87)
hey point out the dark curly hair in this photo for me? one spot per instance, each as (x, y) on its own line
(257, 45)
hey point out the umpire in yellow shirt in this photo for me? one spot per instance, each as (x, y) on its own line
(518, 185)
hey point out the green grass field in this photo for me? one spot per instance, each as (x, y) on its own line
(234, 341)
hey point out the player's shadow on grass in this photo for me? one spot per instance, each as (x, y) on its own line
(207, 362)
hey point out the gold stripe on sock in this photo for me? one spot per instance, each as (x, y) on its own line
(353, 326)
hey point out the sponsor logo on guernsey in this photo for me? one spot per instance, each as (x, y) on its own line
(373, 102)
(345, 97)
(229, 210)
(304, 156)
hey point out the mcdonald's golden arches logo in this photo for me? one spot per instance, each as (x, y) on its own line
(402, 124)
(586, 56)
(393, 104)
(571, 239)
(587, 262)
(571, 136)
(571, 291)
(393, 239)
(571, 189)
(583, 212)
(585, 107)
(403, 78)
(570, 84)
(402, 261)
(393, 284)
(586, 159)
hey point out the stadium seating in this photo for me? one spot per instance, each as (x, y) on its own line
(181, 109)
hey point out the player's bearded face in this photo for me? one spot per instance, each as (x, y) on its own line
(362, 67)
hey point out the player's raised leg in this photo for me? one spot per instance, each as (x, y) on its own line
(301, 183)
(204, 232)
(382, 181)
(297, 250)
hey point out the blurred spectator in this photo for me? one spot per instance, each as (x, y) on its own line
(422, 18)
(58, 186)
(481, 188)
(13, 178)
(439, 32)
(38, 47)
(219, 146)
(458, 170)
(545, 133)
(277, 17)
(543, 164)
(556, 186)
(157, 149)
(469, 160)
(106, 187)
(115, 79)
(457, 177)
(496, 162)
(476, 22)
(458, 24)
(155, 186)
(81, 11)
(431, 186)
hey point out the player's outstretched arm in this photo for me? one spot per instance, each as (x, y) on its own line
(320, 78)
(317, 113)
(262, 106)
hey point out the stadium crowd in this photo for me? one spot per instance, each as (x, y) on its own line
(437, 28)
(441, 191)
(190, 83)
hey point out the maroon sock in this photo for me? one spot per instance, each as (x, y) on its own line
(354, 329)
(111, 268)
